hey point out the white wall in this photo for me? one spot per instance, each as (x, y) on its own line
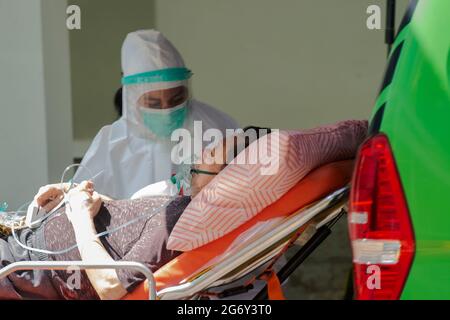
(57, 87)
(35, 122)
(95, 60)
(284, 63)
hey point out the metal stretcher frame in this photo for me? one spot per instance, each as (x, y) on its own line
(82, 265)
(319, 215)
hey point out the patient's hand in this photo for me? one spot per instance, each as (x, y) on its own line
(48, 197)
(84, 203)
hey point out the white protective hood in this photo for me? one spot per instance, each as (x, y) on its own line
(123, 158)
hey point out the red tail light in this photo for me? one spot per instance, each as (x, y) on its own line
(379, 224)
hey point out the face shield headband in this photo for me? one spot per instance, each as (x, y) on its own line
(163, 75)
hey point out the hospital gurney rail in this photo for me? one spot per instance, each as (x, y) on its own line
(64, 265)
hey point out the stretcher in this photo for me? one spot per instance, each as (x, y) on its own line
(301, 219)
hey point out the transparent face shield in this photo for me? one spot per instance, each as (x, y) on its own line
(156, 103)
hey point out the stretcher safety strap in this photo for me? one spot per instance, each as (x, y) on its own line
(274, 290)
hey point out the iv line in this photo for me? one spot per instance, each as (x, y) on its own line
(65, 201)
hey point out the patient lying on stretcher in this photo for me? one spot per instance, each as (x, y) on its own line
(89, 213)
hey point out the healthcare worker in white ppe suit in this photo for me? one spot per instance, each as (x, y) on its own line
(135, 151)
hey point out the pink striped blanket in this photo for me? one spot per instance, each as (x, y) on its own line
(245, 188)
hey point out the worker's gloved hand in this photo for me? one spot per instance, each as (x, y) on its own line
(49, 196)
(83, 203)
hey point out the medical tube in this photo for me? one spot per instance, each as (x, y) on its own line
(63, 176)
(65, 201)
(98, 235)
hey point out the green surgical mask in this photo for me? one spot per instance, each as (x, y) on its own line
(162, 122)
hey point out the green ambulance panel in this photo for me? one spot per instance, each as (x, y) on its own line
(413, 110)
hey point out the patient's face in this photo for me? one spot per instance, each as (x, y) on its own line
(163, 99)
(199, 180)
(214, 161)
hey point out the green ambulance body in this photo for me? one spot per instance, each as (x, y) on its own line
(399, 217)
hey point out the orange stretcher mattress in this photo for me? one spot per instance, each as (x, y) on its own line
(313, 187)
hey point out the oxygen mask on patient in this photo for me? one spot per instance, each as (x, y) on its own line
(178, 184)
(182, 179)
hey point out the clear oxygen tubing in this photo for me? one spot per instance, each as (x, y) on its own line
(65, 201)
